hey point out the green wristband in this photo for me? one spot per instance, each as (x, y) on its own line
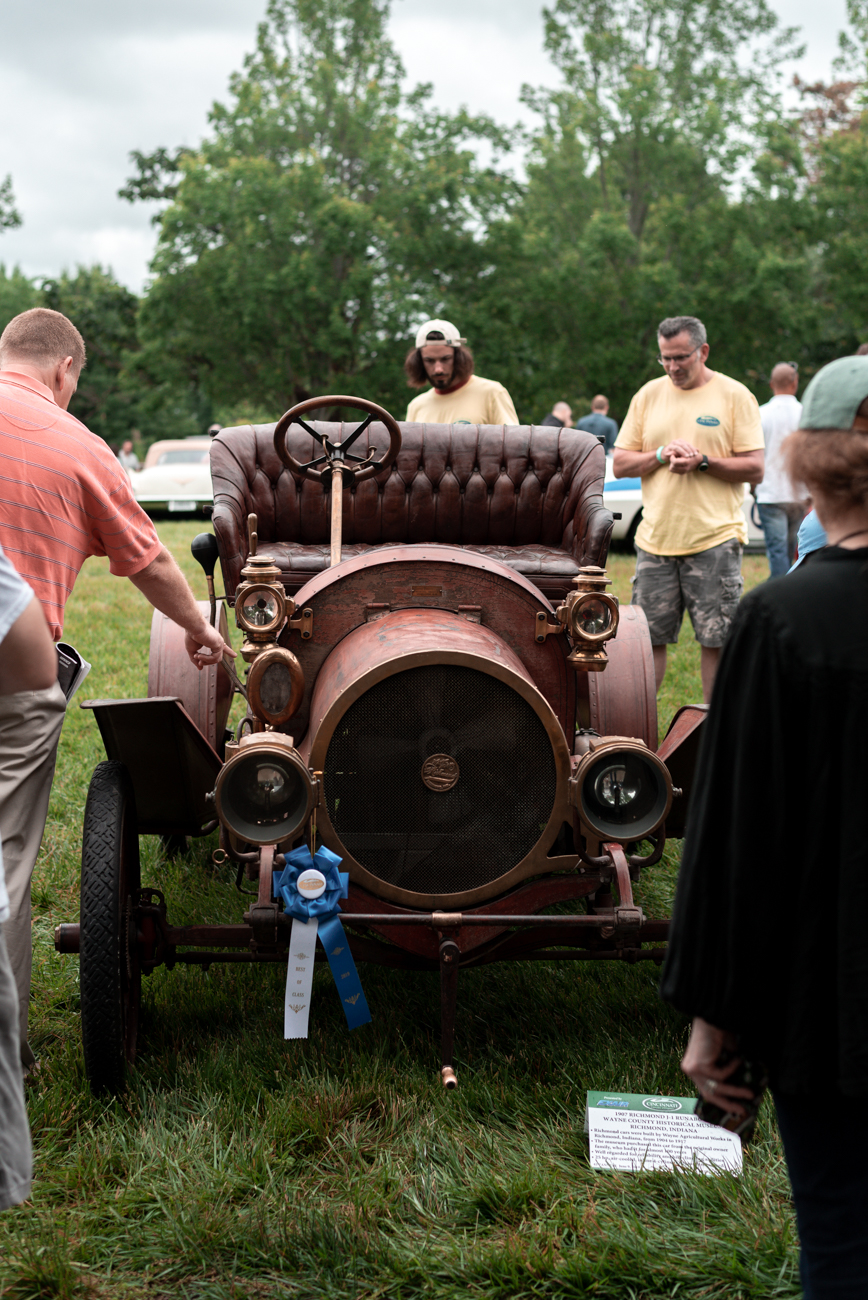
(659, 457)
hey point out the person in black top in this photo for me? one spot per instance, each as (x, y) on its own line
(768, 949)
(560, 416)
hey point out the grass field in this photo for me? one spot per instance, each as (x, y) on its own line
(239, 1165)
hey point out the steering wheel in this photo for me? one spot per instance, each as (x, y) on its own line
(336, 455)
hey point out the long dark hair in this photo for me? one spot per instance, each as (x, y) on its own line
(417, 376)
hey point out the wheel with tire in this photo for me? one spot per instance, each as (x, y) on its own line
(111, 978)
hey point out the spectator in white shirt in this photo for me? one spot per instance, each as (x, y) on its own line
(28, 662)
(780, 504)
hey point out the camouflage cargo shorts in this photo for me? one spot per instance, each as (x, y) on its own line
(708, 585)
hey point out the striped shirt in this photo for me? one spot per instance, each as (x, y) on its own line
(63, 497)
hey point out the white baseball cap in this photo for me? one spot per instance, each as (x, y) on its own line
(451, 337)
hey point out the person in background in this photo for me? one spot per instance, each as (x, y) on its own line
(778, 815)
(127, 457)
(599, 422)
(214, 429)
(457, 396)
(862, 350)
(811, 538)
(65, 497)
(780, 509)
(28, 662)
(694, 437)
(559, 417)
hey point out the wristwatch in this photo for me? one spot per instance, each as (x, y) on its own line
(703, 465)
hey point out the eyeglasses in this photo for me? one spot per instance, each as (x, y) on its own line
(679, 360)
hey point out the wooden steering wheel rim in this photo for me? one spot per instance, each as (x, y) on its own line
(360, 471)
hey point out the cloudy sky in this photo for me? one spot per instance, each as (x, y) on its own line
(83, 85)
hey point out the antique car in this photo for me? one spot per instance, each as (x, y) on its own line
(450, 726)
(175, 476)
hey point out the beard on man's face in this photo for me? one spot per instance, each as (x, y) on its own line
(440, 368)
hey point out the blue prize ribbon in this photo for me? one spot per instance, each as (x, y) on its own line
(336, 944)
(330, 932)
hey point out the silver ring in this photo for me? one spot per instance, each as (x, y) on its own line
(711, 1084)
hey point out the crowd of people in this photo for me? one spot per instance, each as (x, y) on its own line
(767, 953)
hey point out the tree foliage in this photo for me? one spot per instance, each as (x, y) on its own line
(629, 213)
(664, 92)
(10, 217)
(105, 313)
(17, 294)
(327, 211)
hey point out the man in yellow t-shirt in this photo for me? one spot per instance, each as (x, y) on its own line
(441, 357)
(694, 437)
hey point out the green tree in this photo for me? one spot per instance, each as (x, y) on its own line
(326, 214)
(10, 217)
(104, 311)
(629, 213)
(17, 294)
(664, 92)
(574, 302)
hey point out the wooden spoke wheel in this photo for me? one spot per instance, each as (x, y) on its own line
(111, 978)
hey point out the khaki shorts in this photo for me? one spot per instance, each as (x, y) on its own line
(708, 585)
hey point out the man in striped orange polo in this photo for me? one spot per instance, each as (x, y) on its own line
(63, 497)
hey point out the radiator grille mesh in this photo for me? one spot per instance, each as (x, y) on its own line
(439, 842)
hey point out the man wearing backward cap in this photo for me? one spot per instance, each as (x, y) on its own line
(458, 396)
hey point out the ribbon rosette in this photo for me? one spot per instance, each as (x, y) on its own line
(312, 919)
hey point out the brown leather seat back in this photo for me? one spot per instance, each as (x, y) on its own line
(462, 484)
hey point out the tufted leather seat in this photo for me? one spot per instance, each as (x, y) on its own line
(529, 496)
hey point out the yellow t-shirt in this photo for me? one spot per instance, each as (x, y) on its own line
(479, 401)
(686, 513)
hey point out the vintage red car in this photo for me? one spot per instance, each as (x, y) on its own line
(441, 693)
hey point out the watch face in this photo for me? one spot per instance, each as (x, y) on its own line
(703, 464)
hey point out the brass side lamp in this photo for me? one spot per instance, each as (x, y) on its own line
(275, 684)
(590, 618)
(261, 605)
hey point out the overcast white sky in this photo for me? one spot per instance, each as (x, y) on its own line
(82, 86)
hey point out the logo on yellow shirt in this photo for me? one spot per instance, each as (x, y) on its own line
(710, 420)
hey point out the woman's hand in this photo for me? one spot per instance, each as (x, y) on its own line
(704, 1047)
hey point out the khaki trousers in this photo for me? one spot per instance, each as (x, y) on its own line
(16, 1161)
(30, 724)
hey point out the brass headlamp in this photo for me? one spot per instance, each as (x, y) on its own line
(590, 617)
(265, 793)
(621, 789)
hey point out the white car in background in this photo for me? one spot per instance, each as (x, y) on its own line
(176, 476)
(624, 496)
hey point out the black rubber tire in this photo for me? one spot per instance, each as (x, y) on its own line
(111, 978)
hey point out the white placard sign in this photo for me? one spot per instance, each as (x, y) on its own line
(299, 978)
(636, 1131)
